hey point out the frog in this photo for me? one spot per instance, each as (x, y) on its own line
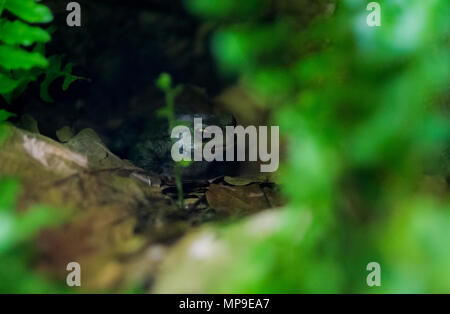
(146, 141)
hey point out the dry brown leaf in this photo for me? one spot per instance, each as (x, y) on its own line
(236, 200)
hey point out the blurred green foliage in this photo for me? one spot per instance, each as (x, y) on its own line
(226, 10)
(361, 109)
(17, 231)
(22, 50)
(22, 61)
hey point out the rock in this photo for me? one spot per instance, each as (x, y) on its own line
(28, 123)
(89, 144)
(64, 134)
(103, 204)
(99, 157)
(202, 262)
(35, 157)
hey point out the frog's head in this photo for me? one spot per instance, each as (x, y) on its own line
(153, 147)
(198, 124)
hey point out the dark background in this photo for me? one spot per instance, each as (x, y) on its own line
(121, 48)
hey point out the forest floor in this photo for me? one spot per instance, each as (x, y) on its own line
(123, 223)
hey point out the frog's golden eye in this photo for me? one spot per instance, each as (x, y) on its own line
(202, 130)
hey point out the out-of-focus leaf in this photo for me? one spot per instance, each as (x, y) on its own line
(24, 77)
(164, 82)
(5, 115)
(34, 220)
(357, 105)
(7, 84)
(12, 58)
(17, 32)
(29, 10)
(240, 49)
(8, 192)
(230, 9)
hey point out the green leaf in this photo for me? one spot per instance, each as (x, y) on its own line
(225, 8)
(184, 163)
(54, 72)
(29, 11)
(34, 220)
(15, 58)
(17, 32)
(5, 115)
(8, 187)
(23, 78)
(163, 112)
(164, 82)
(69, 78)
(7, 84)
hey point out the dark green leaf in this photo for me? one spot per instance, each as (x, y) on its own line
(5, 115)
(54, 72)
(69, 78)
(7, 84)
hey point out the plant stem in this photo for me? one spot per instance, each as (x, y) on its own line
(170, 103)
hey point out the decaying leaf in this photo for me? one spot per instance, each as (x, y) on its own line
(237, 200)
